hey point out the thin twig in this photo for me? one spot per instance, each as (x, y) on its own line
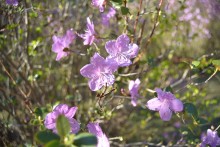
(136, 20)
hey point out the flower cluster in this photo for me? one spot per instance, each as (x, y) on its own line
(69, 112)
(100, 71)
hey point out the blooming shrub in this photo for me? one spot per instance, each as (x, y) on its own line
(168, 44)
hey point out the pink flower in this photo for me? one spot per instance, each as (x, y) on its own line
(121, 50)
(133, 89)
(99, 71)
(165, 103)
(61, 44)
(99, 3)
(96, 130)
(106, 17)
(211, 139)
(89, 36)
(68, 112)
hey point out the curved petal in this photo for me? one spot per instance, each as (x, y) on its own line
(68, 38)
(133, 51)
(90, 26)
(88, 71)
(61, 108)
(137, 82)
(109, 66)
(57, 47)
(50, 120)
(103, 141)
(71, 112)
(121, 60)
(75, 127)
(61, 55)
(131, 85)
(134, 101)
(154, 104)
(88, 39)
(96, 84)
(176, 105)
(111, 48)
(165, 112)
(95, 129)
(97, 59)
(123, 42)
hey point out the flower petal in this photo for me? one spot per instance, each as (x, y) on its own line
(134, 101)
(75, 127)
(121, 60)
(60, 55)
(154, 104)
(96, 84)
(103, 141)
(71, 112)
(68, 38)
(97, 59)
(61, 108)
(176, 105)
(88, 71)
(111, 48)
(95, 129)
(133, 51)
(123, 42)
(165, 112)
(131, 85)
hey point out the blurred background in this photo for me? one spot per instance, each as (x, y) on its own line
(179, 41)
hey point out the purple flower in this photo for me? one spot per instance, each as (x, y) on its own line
(99, 71)
(68, 112)
(12, 2)
(61, 44)
(99, 3)
(106, 17)
(133, 89)
(89, 36)
(211, 139)
(121, 51)
(96, 130)
(165, 103)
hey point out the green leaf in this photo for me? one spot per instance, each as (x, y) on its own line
(85, 140)
(44, 137)
(195, 63)
(216, 63)
(124, 10)
(201, 121)
(191, 109)
(54, 143)
(38, 112)
(62, 125)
